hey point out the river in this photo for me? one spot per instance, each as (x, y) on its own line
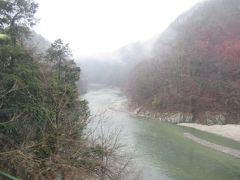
(161, 150)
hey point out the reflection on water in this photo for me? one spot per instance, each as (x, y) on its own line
(161, 149)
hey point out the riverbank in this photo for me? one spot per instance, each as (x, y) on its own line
(168, 117)
(231, 131)
(230, 151)
(175, 117)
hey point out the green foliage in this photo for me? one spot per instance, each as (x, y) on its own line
(36, 107)
(39, 102)
(98, 150)
(58, 51)
(22, 93)
(59, 54)
(3, 38)
(8, 176)
(17, 17)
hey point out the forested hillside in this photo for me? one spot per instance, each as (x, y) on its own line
(42, 119)
(195, 67)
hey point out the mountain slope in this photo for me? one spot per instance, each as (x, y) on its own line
(195, 66)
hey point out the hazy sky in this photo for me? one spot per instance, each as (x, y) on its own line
(98, 26)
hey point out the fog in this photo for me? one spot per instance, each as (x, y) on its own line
(95, 27)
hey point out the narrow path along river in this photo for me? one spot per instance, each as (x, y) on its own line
(162, 150)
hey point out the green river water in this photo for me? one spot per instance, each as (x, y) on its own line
(162, 152)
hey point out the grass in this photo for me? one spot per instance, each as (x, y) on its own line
(8, 176)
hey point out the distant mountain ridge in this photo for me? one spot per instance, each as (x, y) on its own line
(113, 69)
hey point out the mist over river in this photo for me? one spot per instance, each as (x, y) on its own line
(161, 150)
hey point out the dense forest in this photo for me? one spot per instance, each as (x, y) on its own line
(43, 122)
(195, 66)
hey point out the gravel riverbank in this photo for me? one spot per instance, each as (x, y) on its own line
(230, 151)
(231, 131)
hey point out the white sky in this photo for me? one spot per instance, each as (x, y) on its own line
(98, 26)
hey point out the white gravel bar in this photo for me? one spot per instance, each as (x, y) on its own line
(231, 131)
(230, 151)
